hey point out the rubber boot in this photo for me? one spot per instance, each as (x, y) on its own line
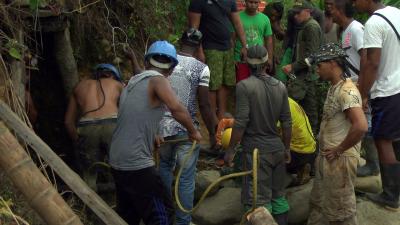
(389, 198)
(371, 168)
(281, 219)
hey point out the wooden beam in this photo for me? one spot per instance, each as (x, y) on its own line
(39, 192)
(78, 186)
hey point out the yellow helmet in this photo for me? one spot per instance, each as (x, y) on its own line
(226, 138)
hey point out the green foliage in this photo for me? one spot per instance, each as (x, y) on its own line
(395, 3)
(34, 4)
(14, 50)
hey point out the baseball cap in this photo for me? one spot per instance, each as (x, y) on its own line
(301, 4)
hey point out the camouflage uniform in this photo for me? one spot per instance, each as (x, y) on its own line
(303, 89)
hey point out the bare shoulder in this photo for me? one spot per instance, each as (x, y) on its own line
(158, 81)
(82, 84)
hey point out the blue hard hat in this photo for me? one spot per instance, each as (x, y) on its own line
(109, 68)
(163, 48)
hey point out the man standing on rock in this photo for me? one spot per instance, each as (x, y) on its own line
(189, 80)
(97, 100)
(214, 18)
(380, 78)
(141, 194)
(262, 101)
(332, 198)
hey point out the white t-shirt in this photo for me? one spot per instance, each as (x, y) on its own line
(352, 42)
(379, 34)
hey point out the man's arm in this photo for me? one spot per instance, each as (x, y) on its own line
(206, 114)
(132, 57)
(70, 118)
(285, 119)
(194, 17)
(241, 120)
(359, 127)
(369, 71)
(163, 90)
(237, 24)
(268, 43)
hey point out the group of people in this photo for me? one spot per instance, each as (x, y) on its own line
(224, 48)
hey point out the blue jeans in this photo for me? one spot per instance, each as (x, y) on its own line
(172, 155)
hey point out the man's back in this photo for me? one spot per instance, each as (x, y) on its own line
(100, 94)
(137, 126)
(261, 103)
(188, 75)
(302, 136)
(379, 34)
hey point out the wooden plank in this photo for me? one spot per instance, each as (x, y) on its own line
(77, 185)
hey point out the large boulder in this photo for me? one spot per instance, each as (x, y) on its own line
(369, 213)
(220, 209)
(299, 202)
(203, 180)
(370, 184)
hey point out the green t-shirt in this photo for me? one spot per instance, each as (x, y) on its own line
(255, 28)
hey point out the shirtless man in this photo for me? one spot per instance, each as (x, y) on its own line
(95, 102)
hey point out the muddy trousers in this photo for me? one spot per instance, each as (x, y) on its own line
(332, 199)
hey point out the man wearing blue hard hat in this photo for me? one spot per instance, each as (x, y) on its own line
(141, 194)
(91, 118)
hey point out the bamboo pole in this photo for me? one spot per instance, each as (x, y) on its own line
(41, 195)
(77, 185)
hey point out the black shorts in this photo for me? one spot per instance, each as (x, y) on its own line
(385, 117)
(141, 195)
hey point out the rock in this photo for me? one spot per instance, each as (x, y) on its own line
(299, 202)
(370, 184)
(203, 180)
(369, 213)
(229, 183)
(221, 209)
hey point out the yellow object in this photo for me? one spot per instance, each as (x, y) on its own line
(302, 137)
(226, 138)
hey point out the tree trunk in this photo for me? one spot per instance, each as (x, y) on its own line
(66, 61)
(18, 72)
(41, 195)
(77, 185)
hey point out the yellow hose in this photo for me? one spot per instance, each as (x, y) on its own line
(212, 185)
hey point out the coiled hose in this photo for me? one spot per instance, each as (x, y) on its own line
(212, 185)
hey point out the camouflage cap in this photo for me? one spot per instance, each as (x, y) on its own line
(327, 52)
(302, 4)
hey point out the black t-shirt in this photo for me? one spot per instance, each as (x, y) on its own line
(215, 23)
